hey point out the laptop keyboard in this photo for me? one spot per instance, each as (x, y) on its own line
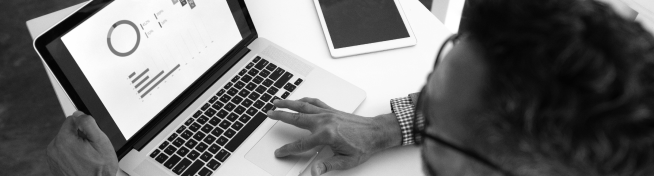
(207, 138)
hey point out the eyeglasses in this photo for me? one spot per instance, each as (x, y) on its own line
(421, 122)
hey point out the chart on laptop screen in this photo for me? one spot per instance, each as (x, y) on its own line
(139, 55)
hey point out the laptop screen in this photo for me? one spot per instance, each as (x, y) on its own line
(140, 55)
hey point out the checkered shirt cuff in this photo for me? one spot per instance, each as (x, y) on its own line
(405, 112)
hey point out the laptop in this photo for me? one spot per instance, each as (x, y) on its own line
(181, 87)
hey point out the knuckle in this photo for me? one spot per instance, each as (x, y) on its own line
(296, 117)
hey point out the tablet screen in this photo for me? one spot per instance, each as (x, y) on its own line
(352, 23)
(139, 55)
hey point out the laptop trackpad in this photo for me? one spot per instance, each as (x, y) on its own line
(263, 153)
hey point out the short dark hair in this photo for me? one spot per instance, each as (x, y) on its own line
(570, 81)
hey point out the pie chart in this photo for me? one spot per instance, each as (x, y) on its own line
(119, 48)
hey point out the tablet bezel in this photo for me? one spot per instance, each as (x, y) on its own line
(81, 93)
(370, 47)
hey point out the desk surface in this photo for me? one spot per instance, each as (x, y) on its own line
(383, 75)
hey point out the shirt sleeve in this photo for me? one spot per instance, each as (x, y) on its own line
(404, 110)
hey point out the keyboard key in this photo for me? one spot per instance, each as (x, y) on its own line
(235, 78)
(213, 99)
(189, 121)
(252, 73)
(230, 106)
(261, 64)
(229, 133)
(283, 80)
(194, 168)
(193, 155)
(182, 151)
(201, 147)
(214, 148)
(225, 98)
(232, 91)
(249, 65)
(237, 126)
(244, 118)
(264, 73)
(181, 166)
(276, 74)
(199, 136)
(163, 145)
(217, 105)
(261, 89)
(172, 137)
(178, 142)
(202, 119)
(172, 161)
(247, 102)
(205, 172)
(210, 139)
(205, 106)
(222, 155)
(239, 85)
(197, 113)
(246, 131)
(259, 104)
(285, 95)
(161, 158)
(173, 157)
(271, 91)
(252, 111)
(181, 129)
(210, 112)
(206, 156)
(155, 153)
(225, 124)
(221, 140)
(246, 78)
(217, 131)
(244, 93)
(222, 91)
(290, 87)
(222, 114)
(191, 143)
(256, 59)
(214, 121)
(268, 107)
(254, 95)
(236, 100)
(213, 164)
(242, 72)
(187, 134)
(268, 82)
(194, 127)
(206, 128)
(232, 117)
(257, 80)
(298, 81)
(271, 67)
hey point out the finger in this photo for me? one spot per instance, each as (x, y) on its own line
(298, 146)
(301, 120)
(338, 162)
(87, 125)
(298, 106)
(316, 102)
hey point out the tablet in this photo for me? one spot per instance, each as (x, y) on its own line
(363, 26)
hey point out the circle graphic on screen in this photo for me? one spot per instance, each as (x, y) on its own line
(111, 30)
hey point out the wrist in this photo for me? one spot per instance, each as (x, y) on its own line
(389, 130)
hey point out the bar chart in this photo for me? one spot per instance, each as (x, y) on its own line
(144, 85)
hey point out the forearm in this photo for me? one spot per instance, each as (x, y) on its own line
(389, 129)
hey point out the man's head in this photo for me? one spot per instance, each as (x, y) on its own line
(551, 87)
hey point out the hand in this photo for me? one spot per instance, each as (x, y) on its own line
(352, 138)
(80, 148)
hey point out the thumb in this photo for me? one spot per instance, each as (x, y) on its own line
(338, 162)
(87, 125)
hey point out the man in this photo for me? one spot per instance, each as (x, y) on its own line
(529, 87)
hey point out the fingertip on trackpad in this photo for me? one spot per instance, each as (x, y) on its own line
(263, 153)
